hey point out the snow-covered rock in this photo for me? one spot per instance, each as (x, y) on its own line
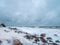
(8, 34)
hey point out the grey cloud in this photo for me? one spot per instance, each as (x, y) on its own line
(29, 12)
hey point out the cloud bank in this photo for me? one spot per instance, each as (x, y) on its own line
(30, 12)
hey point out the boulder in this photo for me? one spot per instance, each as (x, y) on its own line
(2, 25)
(17, 42)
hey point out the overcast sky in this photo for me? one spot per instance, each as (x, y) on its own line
(30, 12)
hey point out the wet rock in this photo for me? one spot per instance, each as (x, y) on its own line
(0, 42)
(9, 41)
(43, 40)
(55, 44)
(19, 31)
(15, 31)
(34, 36)
(55, 35)
(2, 25)
(13, 28)
(37, 40)
(6, 31)
(43, 35)
(49, 38)
(17, 42)
(50, 41)
(28, 37)
(26, 33)
(57, 41)
(52, 44)
(44, 44)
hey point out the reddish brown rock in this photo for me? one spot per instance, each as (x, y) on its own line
(55, 44)
(43, 40)
(43, 44)
(17, 42)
